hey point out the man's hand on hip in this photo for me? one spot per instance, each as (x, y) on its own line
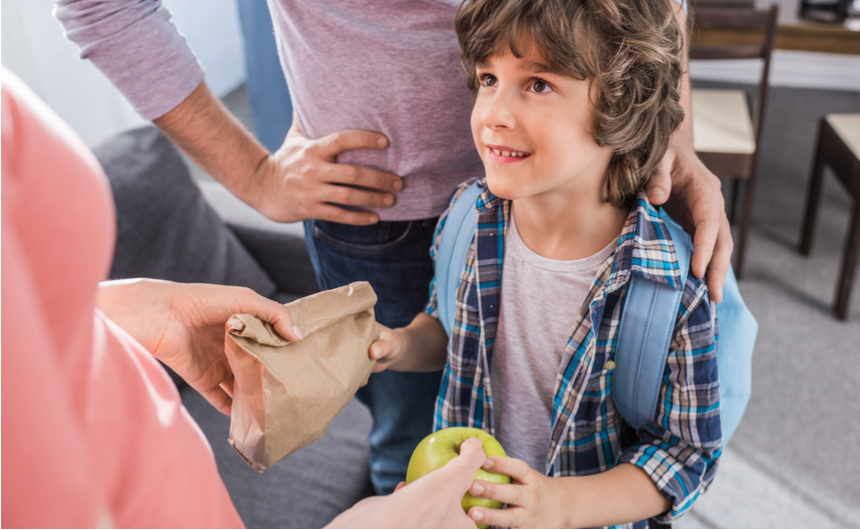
(303, 180)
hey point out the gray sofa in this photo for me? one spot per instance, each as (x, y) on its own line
(172, 228)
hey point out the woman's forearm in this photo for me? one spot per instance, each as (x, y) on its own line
(137, 305)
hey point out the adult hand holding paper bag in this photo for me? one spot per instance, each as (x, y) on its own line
(287, 393)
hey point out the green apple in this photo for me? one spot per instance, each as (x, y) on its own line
(442, 446)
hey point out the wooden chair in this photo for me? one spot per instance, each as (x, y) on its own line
(838, 147)
(726, 135)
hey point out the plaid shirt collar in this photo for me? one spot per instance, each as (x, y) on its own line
(644, 246)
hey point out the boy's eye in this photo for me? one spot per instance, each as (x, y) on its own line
(540, 86)
(487, 80)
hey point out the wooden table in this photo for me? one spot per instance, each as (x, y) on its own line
(793, 32)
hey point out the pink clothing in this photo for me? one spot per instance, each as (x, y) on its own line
(93, 430)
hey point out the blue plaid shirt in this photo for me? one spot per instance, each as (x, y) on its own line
(680, 448)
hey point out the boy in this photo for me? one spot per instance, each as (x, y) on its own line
(575, 102)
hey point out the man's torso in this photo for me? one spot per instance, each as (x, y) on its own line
(392, 68)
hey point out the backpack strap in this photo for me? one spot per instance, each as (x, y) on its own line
(645, 335)
(457, 236)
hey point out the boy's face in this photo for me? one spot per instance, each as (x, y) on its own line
(532, 129)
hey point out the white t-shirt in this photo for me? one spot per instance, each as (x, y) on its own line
(540, 301)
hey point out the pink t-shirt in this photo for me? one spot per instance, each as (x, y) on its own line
(93, 431)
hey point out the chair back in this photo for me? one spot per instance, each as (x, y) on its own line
(747, 22)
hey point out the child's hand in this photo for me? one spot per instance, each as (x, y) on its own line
(387, 350)
(534, 500)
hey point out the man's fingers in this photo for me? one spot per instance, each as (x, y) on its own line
(712, 229)
(362, 176)
(659, 186)
(348, 196)
(718, 268)
(506, 493)
(336, 143)
(703, 246)
(336, 214)
(507, 518)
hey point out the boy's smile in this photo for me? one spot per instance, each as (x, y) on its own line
(532, 129)
(502, 154)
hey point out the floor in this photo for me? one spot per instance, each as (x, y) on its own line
(794, 460)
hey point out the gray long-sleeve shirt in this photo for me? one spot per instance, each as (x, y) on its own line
(381, 65)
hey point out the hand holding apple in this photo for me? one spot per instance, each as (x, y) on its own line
(534, 500)
(434, 501)
(439, 448)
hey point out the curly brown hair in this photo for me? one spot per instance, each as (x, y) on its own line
(630, 50)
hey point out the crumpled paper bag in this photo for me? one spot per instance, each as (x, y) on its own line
(286, 394)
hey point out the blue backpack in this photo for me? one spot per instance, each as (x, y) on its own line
(647, 324)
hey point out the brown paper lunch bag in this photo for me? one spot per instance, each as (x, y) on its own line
(286, 394)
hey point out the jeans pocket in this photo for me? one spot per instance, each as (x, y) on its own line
(363, 244)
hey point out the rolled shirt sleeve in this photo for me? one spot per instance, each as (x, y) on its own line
(680, 449)
(136, 46)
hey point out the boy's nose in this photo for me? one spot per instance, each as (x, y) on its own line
(497, 114)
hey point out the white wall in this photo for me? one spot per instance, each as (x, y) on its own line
(34, 48)
(214, 33)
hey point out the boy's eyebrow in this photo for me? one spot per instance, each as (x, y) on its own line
(537, 67)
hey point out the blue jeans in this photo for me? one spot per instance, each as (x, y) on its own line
(395, 258)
